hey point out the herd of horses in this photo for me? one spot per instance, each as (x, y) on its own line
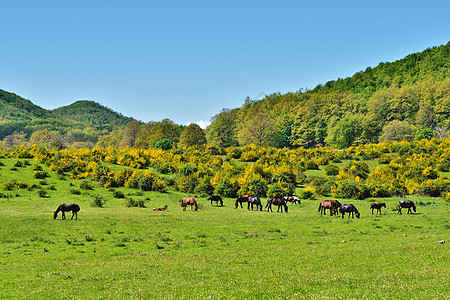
(333, 206)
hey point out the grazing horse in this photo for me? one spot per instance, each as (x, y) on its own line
(254, 201)
(278, 202)
(241, 199)
(332, 205)
(161, 208)
(216, 198)
(294, 200)
(188, 201)
(378, 207)
(406, 204)
(350, 209)
(75, 208)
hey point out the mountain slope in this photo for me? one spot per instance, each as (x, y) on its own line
(414, 91)
(92, 113)
(14, 108)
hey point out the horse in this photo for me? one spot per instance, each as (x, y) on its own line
(292, 199)
(350, 209)
(378, 207)
(161, 208)
(406, 204)
(216, 198)
(278, 202)
(254, 201)
(332, 205)
(188, 201)
(241, 199)
(75, 208)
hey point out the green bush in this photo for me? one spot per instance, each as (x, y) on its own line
(135, 203)
(332, 170)
(98, 201)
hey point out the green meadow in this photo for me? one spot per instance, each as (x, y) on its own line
(121, 252)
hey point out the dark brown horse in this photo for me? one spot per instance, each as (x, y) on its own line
(74, 208)
(406, 204)
(240, 200)
(278, 202)
(350, 209)
(161, 208)
(216, 198)
(291, 199)
(378, 207)
(332, 205)
(188, 201)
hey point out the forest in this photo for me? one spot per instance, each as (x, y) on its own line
(403, 100)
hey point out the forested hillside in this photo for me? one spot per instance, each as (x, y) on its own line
(92, 113)
(406, 99)
(16, 109)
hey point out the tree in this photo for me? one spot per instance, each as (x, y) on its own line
(164, 144)
(259, 130)
(130, 134)
(346, 132)
(222, 131)
(193, 135)
(397, 131)
(46, 137)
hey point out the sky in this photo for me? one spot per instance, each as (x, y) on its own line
(187, 60)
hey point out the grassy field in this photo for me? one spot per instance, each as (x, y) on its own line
(118, 252)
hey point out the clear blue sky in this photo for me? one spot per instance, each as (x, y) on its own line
(186, 60)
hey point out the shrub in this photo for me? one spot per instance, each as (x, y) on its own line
(135, 203)
(187, 169)
(86, 185)
(98, 201)
(280, 189)
(352, 189)
(43, 194)
(75, 192)
(307, 193)
(332, 170)
(384, 159)
(118, 194)
(41, 174)
(227, 188)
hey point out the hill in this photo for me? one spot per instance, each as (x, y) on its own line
(92, 113)
(79, 124)
(405, 99)
(14, 108)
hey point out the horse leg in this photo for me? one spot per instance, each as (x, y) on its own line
(63, 216)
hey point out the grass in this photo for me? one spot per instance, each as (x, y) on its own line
(121, 252)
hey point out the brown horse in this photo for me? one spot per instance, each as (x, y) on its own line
(161, 208)
(278, 202)
(188, 201)
(74, 208)
(378, 207)
(332, 205)
(241, 199)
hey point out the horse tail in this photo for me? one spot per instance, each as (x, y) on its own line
(320, 206)
(195, 205)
